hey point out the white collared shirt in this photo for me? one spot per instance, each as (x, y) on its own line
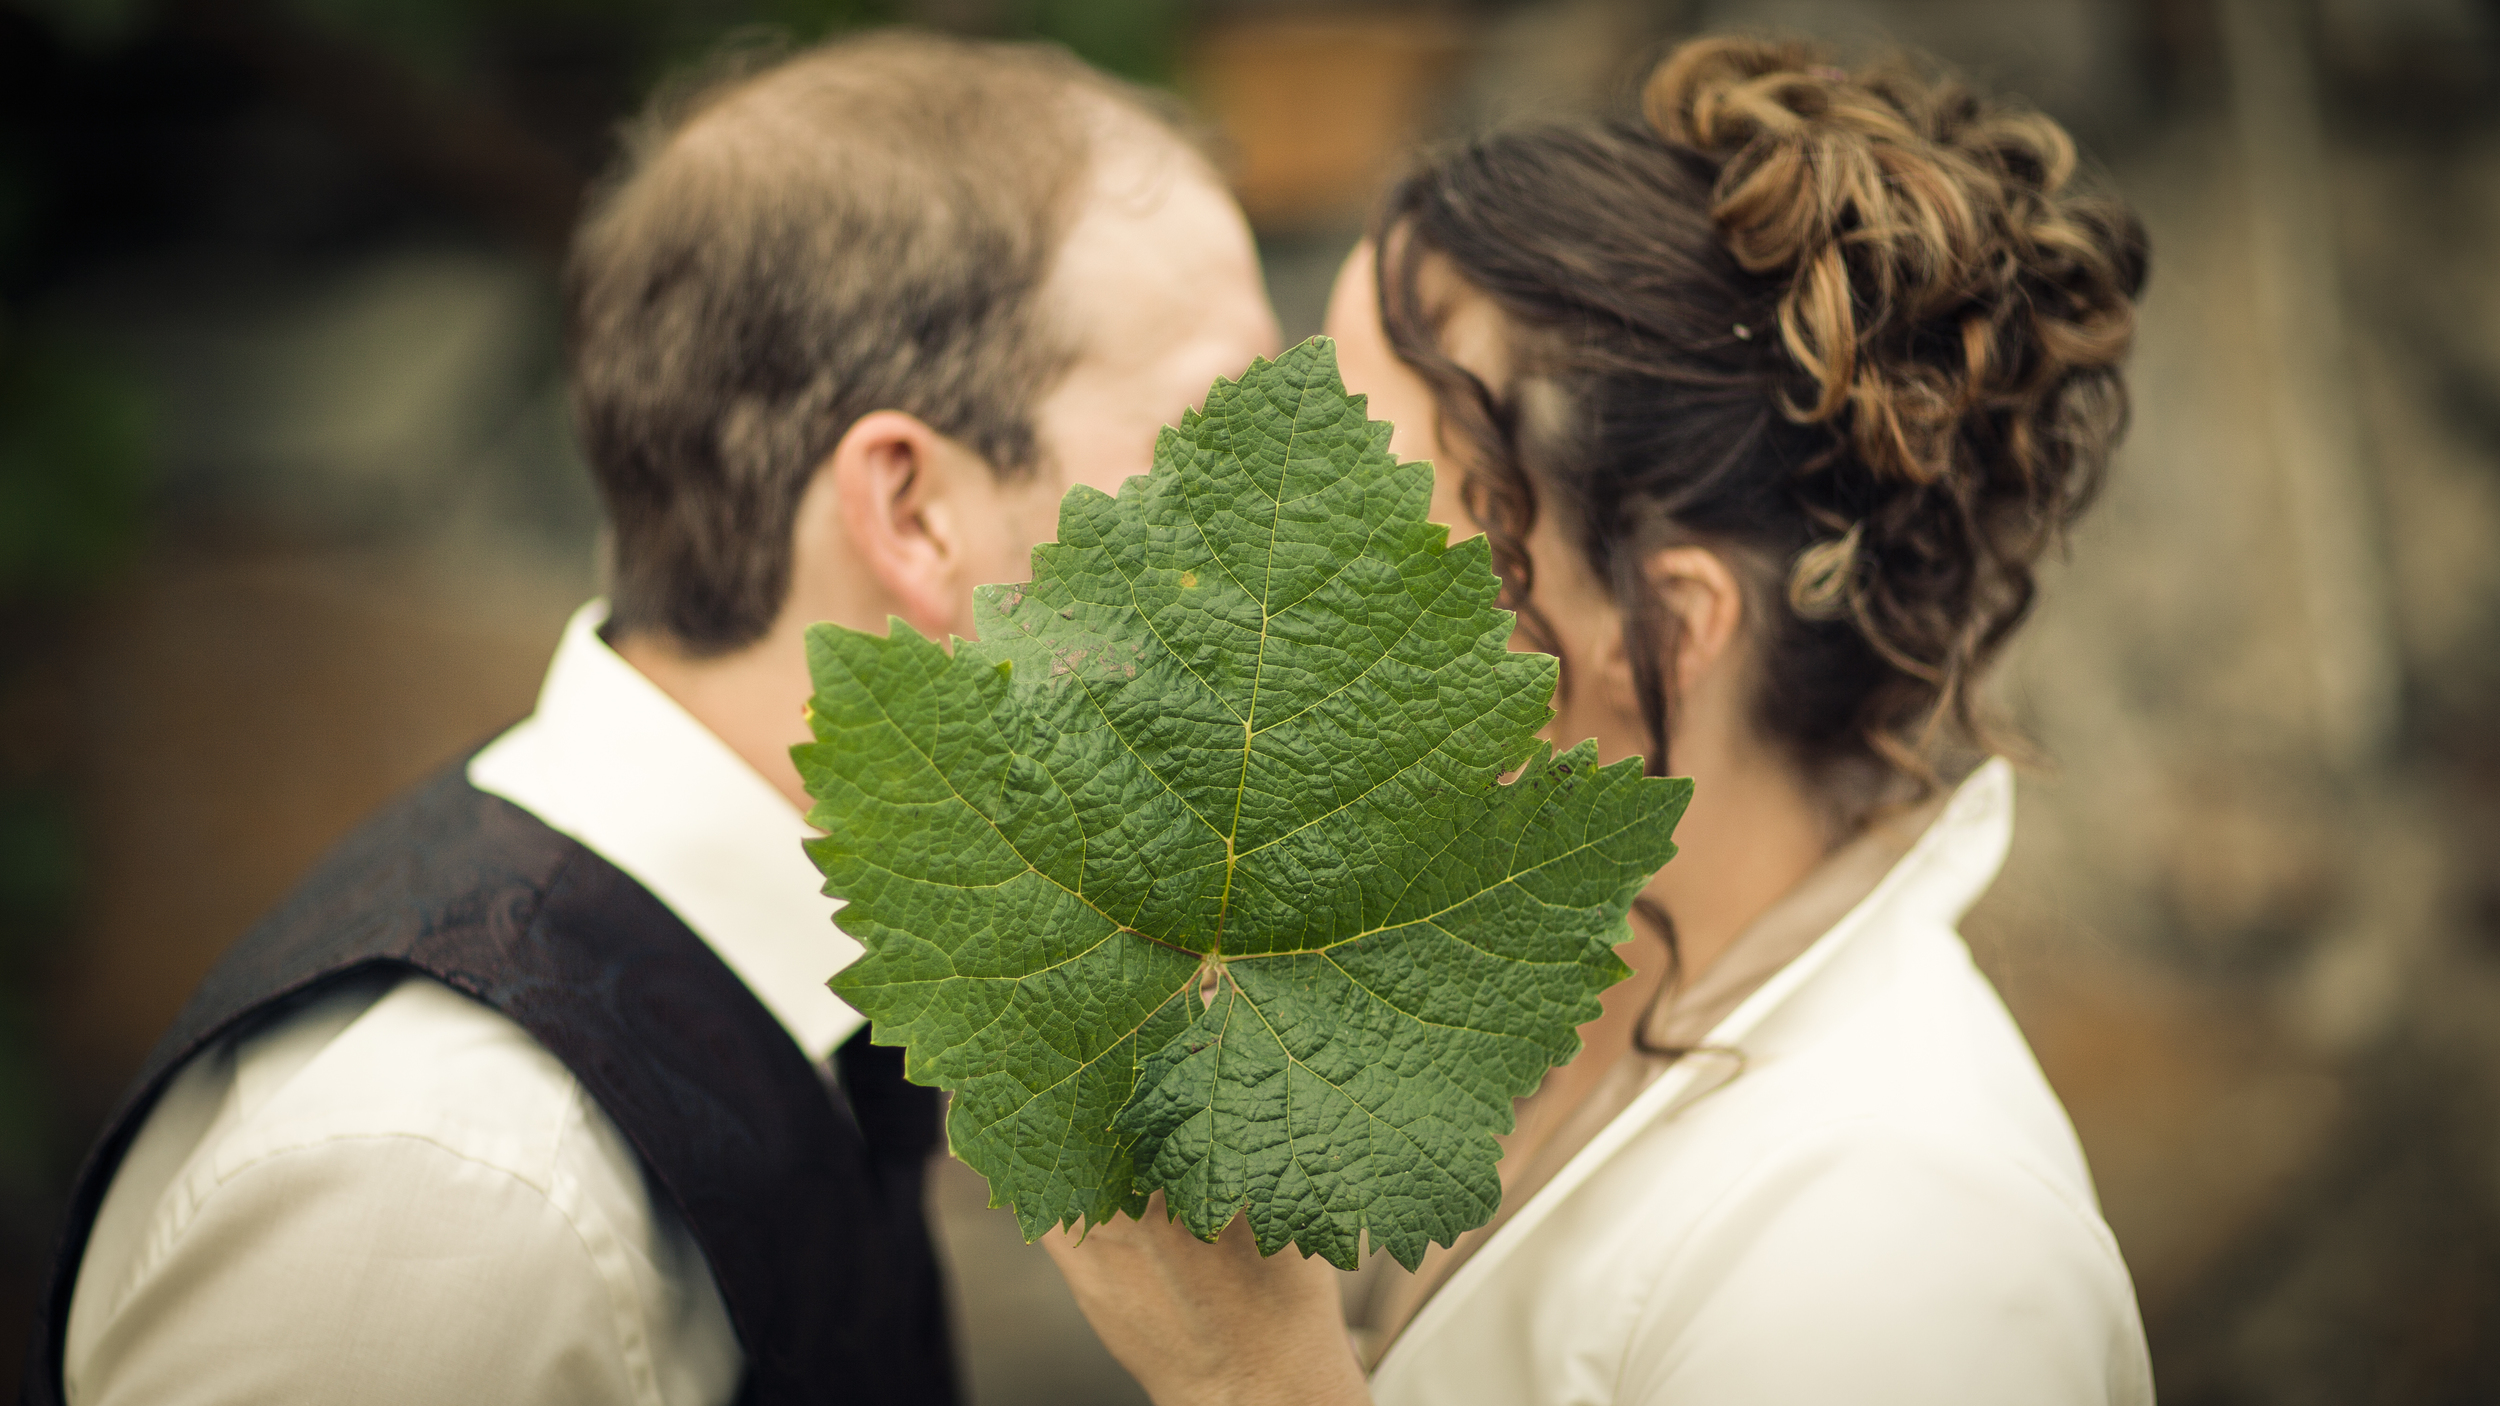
(1881, 1203)
(396, 1195)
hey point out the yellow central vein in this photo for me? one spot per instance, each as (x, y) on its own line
(1258, 666)
(1215, 1090)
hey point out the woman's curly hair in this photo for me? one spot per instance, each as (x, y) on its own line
(1856, 330)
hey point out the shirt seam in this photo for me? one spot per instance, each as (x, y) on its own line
(566, 1193)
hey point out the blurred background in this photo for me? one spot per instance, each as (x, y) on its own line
(290, 515)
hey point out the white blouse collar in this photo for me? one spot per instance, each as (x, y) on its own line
(1928, 877)
(1887, 880)
(615, 763)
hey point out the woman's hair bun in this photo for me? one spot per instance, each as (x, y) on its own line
(1934, 265)
(1953, 312)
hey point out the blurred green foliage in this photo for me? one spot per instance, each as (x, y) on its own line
(73, 460)
(443, 38)
(1137, 39)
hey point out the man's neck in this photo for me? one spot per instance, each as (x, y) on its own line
(752, 699)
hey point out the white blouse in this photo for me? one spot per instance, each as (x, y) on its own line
(1879, 1202)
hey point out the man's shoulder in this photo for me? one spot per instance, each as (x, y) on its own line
(400, 1056)
(390, 1150)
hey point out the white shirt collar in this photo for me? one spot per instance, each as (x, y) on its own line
(613, 762)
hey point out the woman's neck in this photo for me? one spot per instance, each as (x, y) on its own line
(1752, 833)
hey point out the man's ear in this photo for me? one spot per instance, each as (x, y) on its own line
(883, 503)
(1696, 586)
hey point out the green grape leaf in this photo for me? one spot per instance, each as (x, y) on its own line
(1199, 871)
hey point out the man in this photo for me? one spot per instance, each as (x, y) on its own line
(534, 1091)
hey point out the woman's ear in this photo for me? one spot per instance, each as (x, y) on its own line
(883, 507)
(1696, 586)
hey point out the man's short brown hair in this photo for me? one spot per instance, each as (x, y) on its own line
(863, 226)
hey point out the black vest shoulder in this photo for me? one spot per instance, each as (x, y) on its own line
(806, 1208)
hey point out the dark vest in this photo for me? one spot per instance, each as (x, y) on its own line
(805, 1203)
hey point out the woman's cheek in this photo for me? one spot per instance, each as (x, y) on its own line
(1449, 504)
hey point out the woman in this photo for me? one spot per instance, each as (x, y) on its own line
(1769, 402)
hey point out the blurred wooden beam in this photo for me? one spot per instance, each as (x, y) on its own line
(1320, 107)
